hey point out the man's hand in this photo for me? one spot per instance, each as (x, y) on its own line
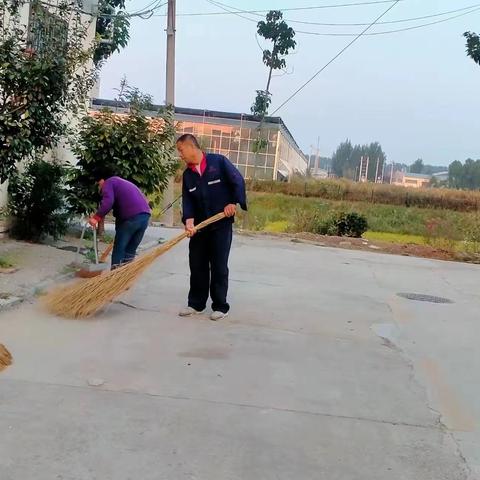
(190, 227)
(230, 210)
(93, 221)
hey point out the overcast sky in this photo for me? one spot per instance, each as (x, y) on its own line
(415, 91)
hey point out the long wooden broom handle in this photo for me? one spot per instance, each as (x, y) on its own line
(205, 223)
(106, 253)
(209, 221)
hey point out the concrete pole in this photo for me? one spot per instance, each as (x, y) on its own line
(170, 98)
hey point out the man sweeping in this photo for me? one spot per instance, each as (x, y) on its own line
(211, 185)
(131, 212)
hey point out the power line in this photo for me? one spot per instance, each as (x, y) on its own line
(318, 7)
(140, 13)
(334, 24)
(340, 53)
(386, 32)
(340, 34)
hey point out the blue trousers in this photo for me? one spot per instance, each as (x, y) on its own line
(128, 235)
(209, 252)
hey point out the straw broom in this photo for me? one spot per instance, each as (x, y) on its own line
(84, 298)
(5, 357)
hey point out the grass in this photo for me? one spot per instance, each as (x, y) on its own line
(400, 238)
(5, 262)
(277, 212)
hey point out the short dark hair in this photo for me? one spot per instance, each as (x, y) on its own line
(102, 173)
(188, 137)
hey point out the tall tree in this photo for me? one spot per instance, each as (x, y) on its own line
(347, 159)
(341, 158)
(455, 174)
(465, 175)
(417, 166)
(473, 46)
(275, 30)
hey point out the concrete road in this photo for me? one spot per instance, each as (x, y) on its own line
(320, 372)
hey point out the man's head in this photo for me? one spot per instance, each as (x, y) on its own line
(101, 174)
(189, 149)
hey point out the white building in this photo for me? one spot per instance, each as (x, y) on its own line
(43, 24)
(234, 135)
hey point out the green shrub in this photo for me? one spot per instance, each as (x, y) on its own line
(344, 224)
(339, 223)
(37, 201)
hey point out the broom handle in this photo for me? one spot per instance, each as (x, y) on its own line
(179, 238)
(209, 221)
(106, 253)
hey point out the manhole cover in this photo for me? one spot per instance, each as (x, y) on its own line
(424, 298)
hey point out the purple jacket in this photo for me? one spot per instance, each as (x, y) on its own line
(124, 197)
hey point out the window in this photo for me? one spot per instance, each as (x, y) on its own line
(242, 158)
(225, 141)
(47, 31)
(270, 161)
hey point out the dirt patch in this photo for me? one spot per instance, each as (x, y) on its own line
(408, 250)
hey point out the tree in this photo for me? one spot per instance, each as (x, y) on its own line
(36, 201)
(473, 46)
(417, 166)
(341, 159)
(132, 145)
(111, 29)
(347, 159)
(44, 79)
(455, 174)
(275, 30)
(465, 175)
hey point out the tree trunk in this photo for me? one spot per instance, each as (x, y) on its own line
(269, 79)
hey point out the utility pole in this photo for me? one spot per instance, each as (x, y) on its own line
(170, 98)
(317, 156)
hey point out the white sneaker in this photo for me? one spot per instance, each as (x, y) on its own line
(189, 311)
(215, 316)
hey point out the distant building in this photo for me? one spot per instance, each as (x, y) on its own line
(441, 176)
(234, 135)
(413, 180)
(319, 173)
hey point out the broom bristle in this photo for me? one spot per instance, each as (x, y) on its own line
(5, 357)
(84, 298)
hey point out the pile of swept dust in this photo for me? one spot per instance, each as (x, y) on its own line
(5, 358)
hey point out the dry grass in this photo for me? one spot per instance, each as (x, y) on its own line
(84, 298)
(345, 190)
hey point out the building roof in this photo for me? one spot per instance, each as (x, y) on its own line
(418, 175)
(198, 112)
